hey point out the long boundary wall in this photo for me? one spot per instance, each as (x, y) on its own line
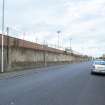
(20, 54)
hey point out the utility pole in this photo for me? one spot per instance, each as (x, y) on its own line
(2, 49)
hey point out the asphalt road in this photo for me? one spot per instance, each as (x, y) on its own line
(65, 85)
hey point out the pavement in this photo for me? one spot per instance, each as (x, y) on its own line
(62, 85)
(12, 74)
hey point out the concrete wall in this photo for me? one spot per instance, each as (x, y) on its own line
(21, 58)
(20, 54)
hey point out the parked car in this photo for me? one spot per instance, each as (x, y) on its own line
(98, 67)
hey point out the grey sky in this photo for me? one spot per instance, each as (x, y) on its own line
(81, 20)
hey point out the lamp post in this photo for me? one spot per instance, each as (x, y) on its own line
(2, 49)
(58, 36)
(45, 56)
(70, 50)
(70, 44)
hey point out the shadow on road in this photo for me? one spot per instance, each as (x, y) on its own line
(98, 74)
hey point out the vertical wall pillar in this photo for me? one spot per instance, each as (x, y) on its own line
(8, 54)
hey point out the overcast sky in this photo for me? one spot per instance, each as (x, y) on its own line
(39, 20)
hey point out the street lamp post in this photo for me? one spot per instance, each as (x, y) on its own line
(2, 49)
(58, 36)
(70, 50)
(70, 44)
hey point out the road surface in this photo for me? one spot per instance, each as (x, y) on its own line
(64, 85)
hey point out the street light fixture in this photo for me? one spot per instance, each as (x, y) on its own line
(2, 49)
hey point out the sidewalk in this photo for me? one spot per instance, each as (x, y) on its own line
(13, 74)
(8, 75)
